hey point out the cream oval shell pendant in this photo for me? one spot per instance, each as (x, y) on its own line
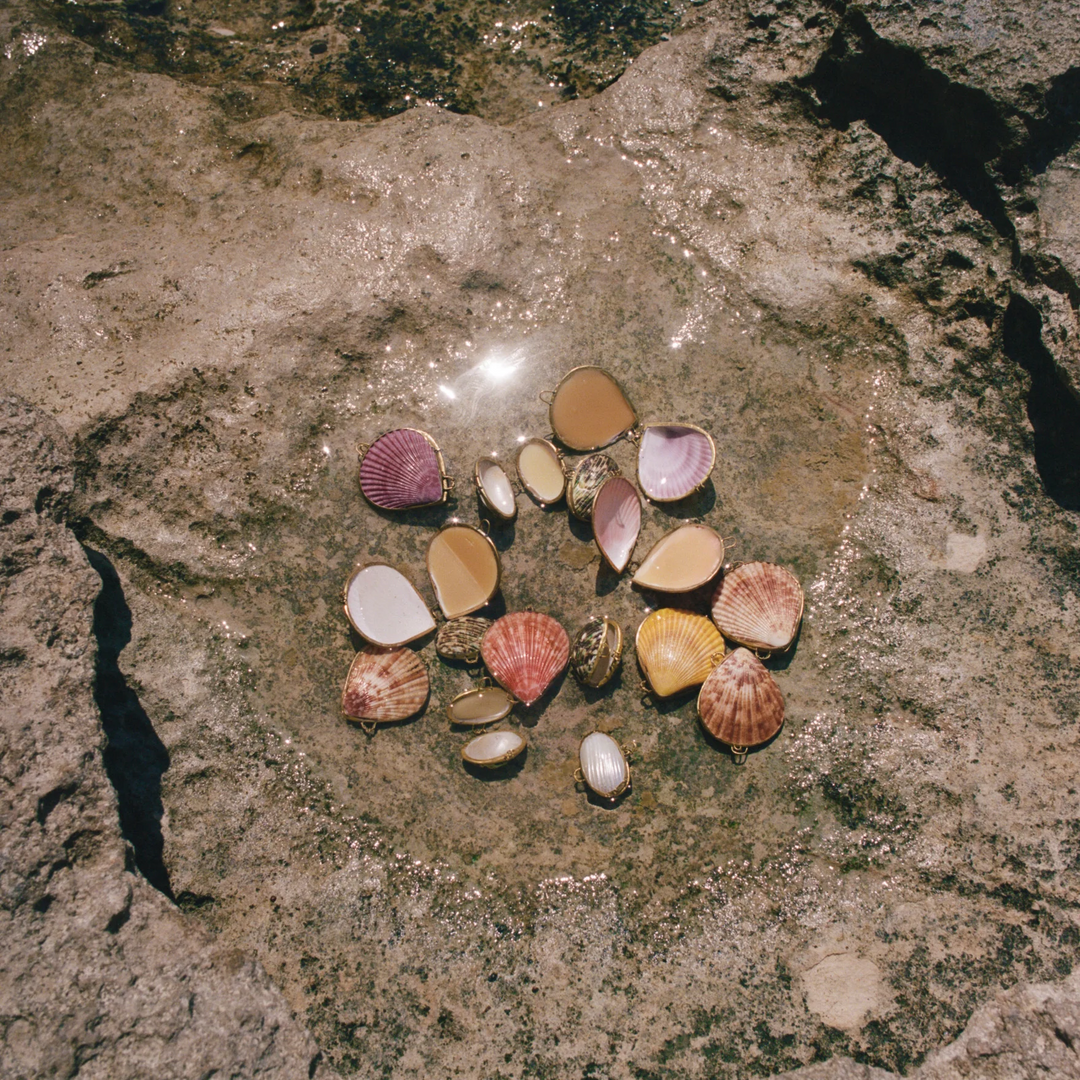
(603, 765)
(464, 569)
(589, 409)
(479, 706)
(682, 560)
(384, 608)
(493, 748)
(540, 469)
(496, 491)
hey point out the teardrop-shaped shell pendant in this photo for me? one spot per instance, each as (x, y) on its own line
(384, 685)
(585, 482)
(597, 652)
(540, 470)
(404, 469)
(616, 521)
(682, 560)
(589, 409)
(493, 748)
(677, 649)
(383, 606)
(494, 487)
(603, 765)
(464, 569)
(759, 605)
(674, 461)
(525, 652)
(740, 703)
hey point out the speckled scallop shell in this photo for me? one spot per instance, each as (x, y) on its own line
(403, 469)
(585, 482)
(525, 652)
(674, 460)
(759, 605)
(616, 521)
(677, 649)
(740, 702)
(384, 685)
(597, 651)
(459, 639)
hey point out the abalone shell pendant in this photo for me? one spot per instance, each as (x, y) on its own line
(459, 639)
(404, 469)
(597, 652)
(585, 482)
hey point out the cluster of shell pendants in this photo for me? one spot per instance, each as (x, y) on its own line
(758, 605)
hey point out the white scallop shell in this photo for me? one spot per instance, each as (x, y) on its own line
(674, 461)
(493, 748)
(603, 765)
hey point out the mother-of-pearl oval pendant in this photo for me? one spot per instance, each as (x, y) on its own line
(496, 491)
(540, 468)
(682, 560)
(464, 569)
(493, 748)
(384, 608)
(603, 765)
(589, 409)
(479, 706)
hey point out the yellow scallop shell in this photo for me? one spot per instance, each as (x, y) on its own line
(677, 649)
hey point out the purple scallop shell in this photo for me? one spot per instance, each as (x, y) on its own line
(616, 521)
(674, 461)
(401, 469)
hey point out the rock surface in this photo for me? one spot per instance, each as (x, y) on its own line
(839, 239)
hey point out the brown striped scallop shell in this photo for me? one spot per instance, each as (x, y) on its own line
(384, 685)
(759, 605)
(740, 702)
(525, 652)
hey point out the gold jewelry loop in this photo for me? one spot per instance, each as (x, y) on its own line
(368, 727)
(549, 398)
(361, 450)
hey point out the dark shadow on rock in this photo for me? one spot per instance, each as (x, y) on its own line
(135, 757)
(1053, 409)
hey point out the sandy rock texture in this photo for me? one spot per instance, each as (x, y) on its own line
(839, 238)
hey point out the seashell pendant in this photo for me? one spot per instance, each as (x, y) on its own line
(459, 639)
(493, 748)
(384, 608)
(616, 521)
(384, 685)
(682, 560)
(603, 765)
(585, 482)
(494, 487)
(525, 652)
(740, 703)
(677, 649)
(759, 605)
(479, 706)
(464, 569)
(674, 461)
(589, 409)
(404, 469)
(597, 652)
(540, 470)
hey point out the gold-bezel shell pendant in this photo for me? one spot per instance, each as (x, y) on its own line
(740, 703)
(464, 568)
(674, 461)
(384, 685)
(682, 560)
(597, 652)
(403, 469)
(589, 410)
(540, 470)
(481, 705)
(459, 639)
(383, 606)
(493, 749)
(585, 483)
(526, 651)
(603, 766)
(759, 605)
(676, 650)
(494, 488)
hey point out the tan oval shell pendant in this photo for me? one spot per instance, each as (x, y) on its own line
(540, 470)
(384, 685)
(677, 649)
(479, 706)
(759, 605)
(603, 765)
(459, 639)
(585, 482)
(597, 652)
(740, 703)
(493, 748)
(589, 409)
(682, 560)
(464, 569)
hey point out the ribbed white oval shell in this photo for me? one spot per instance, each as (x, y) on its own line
(759, 605)
(682, 560)
(384, 608)
(603, 765)
(482, 705)
(674, 460)
(495, 488)
(616, 521)
(493, 748)
(384, 685)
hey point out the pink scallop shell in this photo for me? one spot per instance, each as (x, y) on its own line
(759, 605)
(616, 521)
(401, 469)
(384, 684)
(674, 461)
(525, 652)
